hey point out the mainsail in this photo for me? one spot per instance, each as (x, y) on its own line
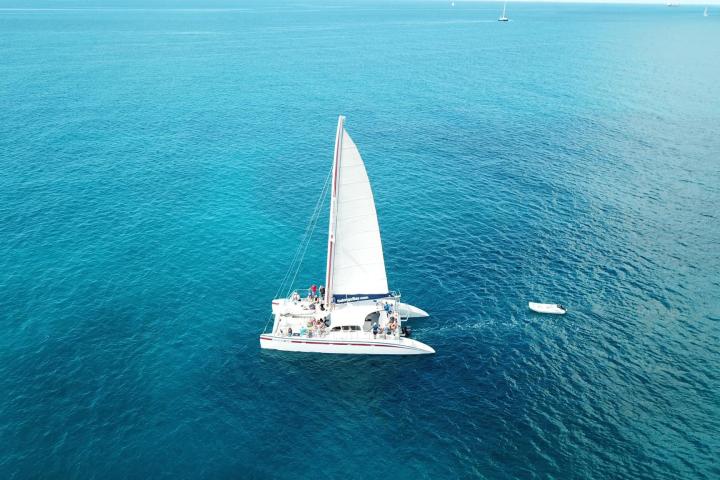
(355, 263)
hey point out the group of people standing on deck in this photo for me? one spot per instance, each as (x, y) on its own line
(317, 302)
(313, 293)
(315, 297)
(392, 326)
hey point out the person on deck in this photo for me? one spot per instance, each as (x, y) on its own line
(322, 291)
(313, 289)
(393, 326)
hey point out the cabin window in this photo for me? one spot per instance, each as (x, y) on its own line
(373, 317)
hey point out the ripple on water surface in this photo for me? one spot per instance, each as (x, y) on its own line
(159, 166)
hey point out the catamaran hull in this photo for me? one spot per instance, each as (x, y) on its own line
(404, 346)
(410, 311)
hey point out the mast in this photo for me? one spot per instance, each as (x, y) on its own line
(332, 224)
(504, 6)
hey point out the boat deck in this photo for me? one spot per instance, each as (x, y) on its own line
(302, 325)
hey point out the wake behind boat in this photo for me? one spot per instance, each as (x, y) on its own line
(355, 313)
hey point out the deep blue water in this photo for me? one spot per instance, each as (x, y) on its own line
(159, 163)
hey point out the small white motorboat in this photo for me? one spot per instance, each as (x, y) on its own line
(554, 308)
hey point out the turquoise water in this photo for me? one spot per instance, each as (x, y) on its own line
(159, 165)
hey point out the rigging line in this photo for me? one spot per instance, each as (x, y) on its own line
(291, 266)
(307, 236)
(308, 229)
(304, 238)
(321, 201)
(304, 244)
(307, 244)
(311, 228)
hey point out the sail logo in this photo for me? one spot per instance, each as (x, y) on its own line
(351, 299)
(358, 297)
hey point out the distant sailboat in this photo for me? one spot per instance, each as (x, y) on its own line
(452, 4)
(504, 17)
(706, 14)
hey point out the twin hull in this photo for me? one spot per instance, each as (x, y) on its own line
(400, 346)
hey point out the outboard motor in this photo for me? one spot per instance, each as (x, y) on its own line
(406, 331)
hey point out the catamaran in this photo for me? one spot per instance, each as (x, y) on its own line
(356, 313)
(503, 17)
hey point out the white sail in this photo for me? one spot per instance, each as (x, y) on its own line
(356, 266)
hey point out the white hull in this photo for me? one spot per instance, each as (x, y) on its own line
(547, 308)
(351, 346)
(409, 311)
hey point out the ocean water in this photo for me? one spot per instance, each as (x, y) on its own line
(159, 163)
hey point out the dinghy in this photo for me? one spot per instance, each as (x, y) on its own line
(553, 308)
(355, 313)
